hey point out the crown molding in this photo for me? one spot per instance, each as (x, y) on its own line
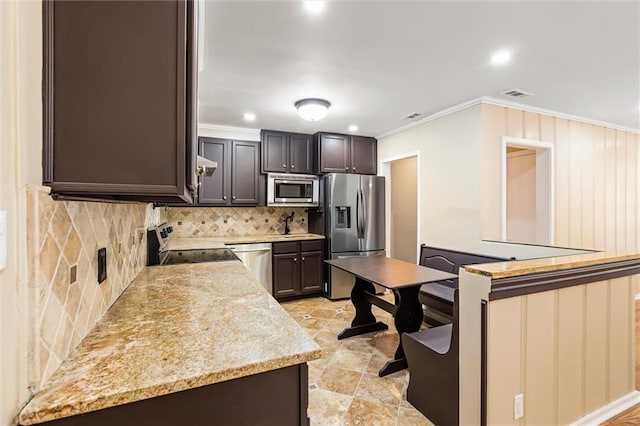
(528, 108)
(220, 128)
(507, 104)
(437, 115)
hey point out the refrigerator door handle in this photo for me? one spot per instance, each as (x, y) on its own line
(360, 213)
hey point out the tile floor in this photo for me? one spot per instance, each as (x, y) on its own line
(344, 387)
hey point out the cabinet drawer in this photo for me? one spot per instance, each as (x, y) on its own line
(288, 247)
(313, 245)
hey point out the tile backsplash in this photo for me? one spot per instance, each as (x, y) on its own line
(63, 240)
(240, 221)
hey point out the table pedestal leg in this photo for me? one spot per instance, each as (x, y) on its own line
(407, 319)
(364, 321)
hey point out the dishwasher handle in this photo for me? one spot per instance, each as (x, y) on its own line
(248, 251)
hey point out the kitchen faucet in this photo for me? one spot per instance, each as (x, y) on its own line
(288, 220)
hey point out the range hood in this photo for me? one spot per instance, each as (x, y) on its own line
(205, 167)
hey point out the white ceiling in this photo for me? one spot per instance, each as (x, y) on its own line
(379, 61)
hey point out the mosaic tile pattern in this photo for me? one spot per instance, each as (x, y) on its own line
(63, 239)
(240, 221)
(344, 387)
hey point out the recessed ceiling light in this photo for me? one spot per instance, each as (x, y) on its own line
(353, 128)
(501, 57)
(314, 6)
(312, 109)
(249, 116)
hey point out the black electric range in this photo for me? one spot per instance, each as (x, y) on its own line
(158, 254)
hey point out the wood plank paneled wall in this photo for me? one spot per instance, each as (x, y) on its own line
(569, 351)
(597, 178)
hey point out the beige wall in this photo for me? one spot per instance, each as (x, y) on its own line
(597, 178)
(569, 351)
(20, 153)
(449, 168)
(404, 209)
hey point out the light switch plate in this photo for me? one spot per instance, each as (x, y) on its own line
(518, 406)
(3, 240)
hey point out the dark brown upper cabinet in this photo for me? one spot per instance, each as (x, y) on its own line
(120, 99)
(286, 152)
(346, 154)
(237, 180)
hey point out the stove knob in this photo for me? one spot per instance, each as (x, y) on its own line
(164, 234)
(169, 229)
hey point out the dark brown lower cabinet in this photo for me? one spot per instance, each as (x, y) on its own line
(298, 268)
(277, 397)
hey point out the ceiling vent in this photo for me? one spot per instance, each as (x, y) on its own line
(516, 93)
(411, 116)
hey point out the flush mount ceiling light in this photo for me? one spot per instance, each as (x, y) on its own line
(314, 6)
(501, 57)
(353, 128)
(312, 109)
(249, 116)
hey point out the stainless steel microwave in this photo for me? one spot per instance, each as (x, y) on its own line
(292, 190)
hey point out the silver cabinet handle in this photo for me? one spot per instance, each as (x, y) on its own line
(295, 259)
(293, 167)
(234, 197)
(284, 165)
(354, 169)
(346, 168)
(224, 197)
(303, 259)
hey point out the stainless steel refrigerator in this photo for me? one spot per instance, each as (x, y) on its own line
(354, 224)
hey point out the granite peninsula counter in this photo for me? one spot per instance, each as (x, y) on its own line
(174, 329)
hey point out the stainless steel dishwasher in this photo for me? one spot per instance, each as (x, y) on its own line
(257, 259)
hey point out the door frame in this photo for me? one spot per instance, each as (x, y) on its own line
(384, 169)
(544, 159)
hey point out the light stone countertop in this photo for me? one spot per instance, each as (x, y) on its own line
(547, 264)
(176, 327)
(195, 243)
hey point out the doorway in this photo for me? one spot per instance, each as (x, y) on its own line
(402, 175)
(527, 191)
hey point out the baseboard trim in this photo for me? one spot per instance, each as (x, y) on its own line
(605, 413)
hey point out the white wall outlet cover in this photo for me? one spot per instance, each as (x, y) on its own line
(3, 240)
(518, 406)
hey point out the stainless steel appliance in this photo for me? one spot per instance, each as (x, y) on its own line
(158, 252)
(292, 190)
(257, 259)
(354, 224)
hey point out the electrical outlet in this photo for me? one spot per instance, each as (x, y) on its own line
(518, 406)
(3, 240)
(102, 265)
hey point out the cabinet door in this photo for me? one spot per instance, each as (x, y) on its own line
(286, 275)
(364, 155)
(275, 151)
(334, 153)
(311, 272)
(245, 168)
(122, 73)
(215, 189)
(300, 153)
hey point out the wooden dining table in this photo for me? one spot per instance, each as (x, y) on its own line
(404, 280)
